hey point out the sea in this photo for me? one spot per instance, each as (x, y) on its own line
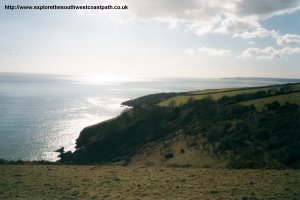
(41, 113)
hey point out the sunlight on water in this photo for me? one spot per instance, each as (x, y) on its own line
(94, 110)
(42, 114)
(69, 133)
(101, 80)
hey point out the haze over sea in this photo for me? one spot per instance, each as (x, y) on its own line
(41, 113)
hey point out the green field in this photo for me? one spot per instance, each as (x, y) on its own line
(282, 99)
(219, 93)
(115, 182)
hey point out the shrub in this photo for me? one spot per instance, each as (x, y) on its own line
(169, 155)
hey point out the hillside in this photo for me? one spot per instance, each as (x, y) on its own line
(237, 128)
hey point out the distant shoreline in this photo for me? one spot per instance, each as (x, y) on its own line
(265, 78)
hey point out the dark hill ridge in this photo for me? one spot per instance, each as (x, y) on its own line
(207, 132)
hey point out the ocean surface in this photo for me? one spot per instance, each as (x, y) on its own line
(41, 113)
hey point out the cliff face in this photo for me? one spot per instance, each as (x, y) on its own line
(206, 132)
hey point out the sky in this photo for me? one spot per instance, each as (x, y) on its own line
(165, 38)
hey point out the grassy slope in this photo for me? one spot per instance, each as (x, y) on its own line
(282, 99)
(114, 182)
(218, 93)
(184, 155)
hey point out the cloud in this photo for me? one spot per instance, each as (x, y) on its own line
(244, 28)
(208, 51)
(177, 9)
(213, 52)
(288, 39)
(189, 51)
(239, 18)
(259, 32)
(204, 27)
(235, 25)
(269, 53)
(266, 8)
(207, 9)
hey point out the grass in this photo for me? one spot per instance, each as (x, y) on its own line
(116, 182)
(219, 93)
(282, 99)
(211, 91)
(214, 94)
(153, 154)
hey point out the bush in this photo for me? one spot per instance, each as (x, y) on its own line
(169, 155)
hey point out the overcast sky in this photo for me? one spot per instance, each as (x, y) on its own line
(154, 38)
